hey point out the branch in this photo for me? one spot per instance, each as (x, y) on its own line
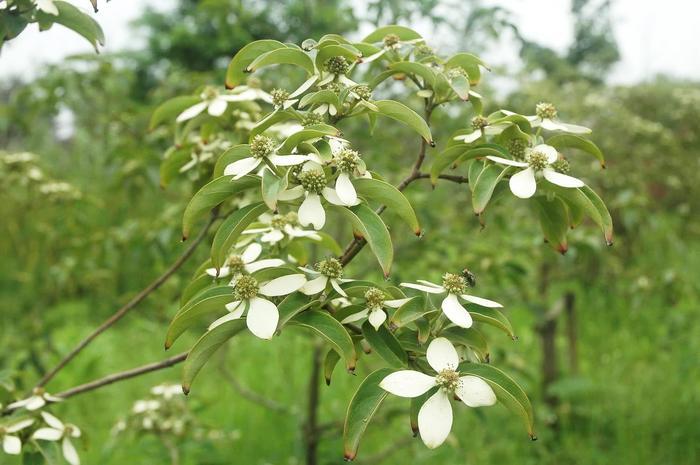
(119, 314)
(116, 377)
(251, 395)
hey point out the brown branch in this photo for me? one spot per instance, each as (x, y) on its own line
(138, 298)
(311, 436)
(115, 377)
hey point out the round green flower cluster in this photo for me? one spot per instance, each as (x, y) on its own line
(517, 148)
(448, 380)
(546, 110)
(261, 146)
(246, 288)
(337, 65)
(236, 264)
(330, 267)
(363, 91)
(454, 283)
(347, 160)
(313, 180)
(456, 72)
(561, 165)
(537, 160)
(279, 96)
(311, 118)
(391, 39)
(374, 297)
(479, 122)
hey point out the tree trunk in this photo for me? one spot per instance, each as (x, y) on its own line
(571, 331)
(311, 433)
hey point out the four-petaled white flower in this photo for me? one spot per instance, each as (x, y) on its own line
(38, 399)
(376, 300)
(539, 159)
(349, 164)
(262, 316)
(546, 117)
(12, 444)
(281, 227)
(215, 103)
(47, 6)
(329, 270)
(58, 431)
(455, 287)
(246, 262)
(482, 127)
(262, 150)
(313, 185)
(435, 415)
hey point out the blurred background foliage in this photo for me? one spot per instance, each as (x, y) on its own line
(607, 343)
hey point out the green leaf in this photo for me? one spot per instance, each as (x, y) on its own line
(195, 287)
(386, 194)
(554, 220)
(329, 363)
(563, 141)
(292, 305)
(419, 69)
(385, 345)
(483, 187)
(493, 317)
(211, 195)
(236, 73)
(312, 132)
(235, 153)
(170, 109)
(460, 85)
(410, 311)
(405, 115)
(507, 391)
(232, 227)
(271, 187)
(470, 337)
(404, 33)
(205, 347)
(330, 329)
(444, 159)
(343, 50)
(363, 405)
(585, 199)
(370, 227)
(74, 19)
(208, 301)
(283, 56)
(470, 63)
(171, 165)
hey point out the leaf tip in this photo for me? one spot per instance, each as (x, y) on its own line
(533, 437)
(349, 456)
(562, 248)
(432, 143)
(418, 232)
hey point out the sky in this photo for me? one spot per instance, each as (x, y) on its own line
(654, 37)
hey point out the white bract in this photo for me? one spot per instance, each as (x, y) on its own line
(58, 431)
(349, 165)
(455, 287)
(262, 316)
(11, 443)
(329, 270)
(481, 127)
(47, 6)
(215, 103)
(262, 151)
(539, 160)
(376, 300)
(246, 262)
(37, 400)
(435, 415)
(546, 117)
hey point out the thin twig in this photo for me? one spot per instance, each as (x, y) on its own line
(119, 314)
(253, 396)
(115, 377)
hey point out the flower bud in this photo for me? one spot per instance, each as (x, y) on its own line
(279, 96)
(246, 288)
(374, 297)
(517, 148)
(261, 146)
(337, 65)
(330, 267)
(537, 160)
(347, 160)
(313, 180)
(454, 283)
(362, 91)
(479, 122)
(546, 110)
(390, 40)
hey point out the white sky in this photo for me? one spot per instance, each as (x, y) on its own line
(654, 37)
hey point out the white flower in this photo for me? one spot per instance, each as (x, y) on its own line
(546, 117)
(262, 150)
(216, 103)
(58, 431)
(47, 6)
(481, 127)
(391, 42)
(455, 286)
(435, 415)
(36, 401)
(539, 160)
(12, 444)
(313, 183)
(247, 262)
(262, 314)
(281, 227)
(349, 164)
(143, 406)
(376, 300)
(329, 270)
(167, 391)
